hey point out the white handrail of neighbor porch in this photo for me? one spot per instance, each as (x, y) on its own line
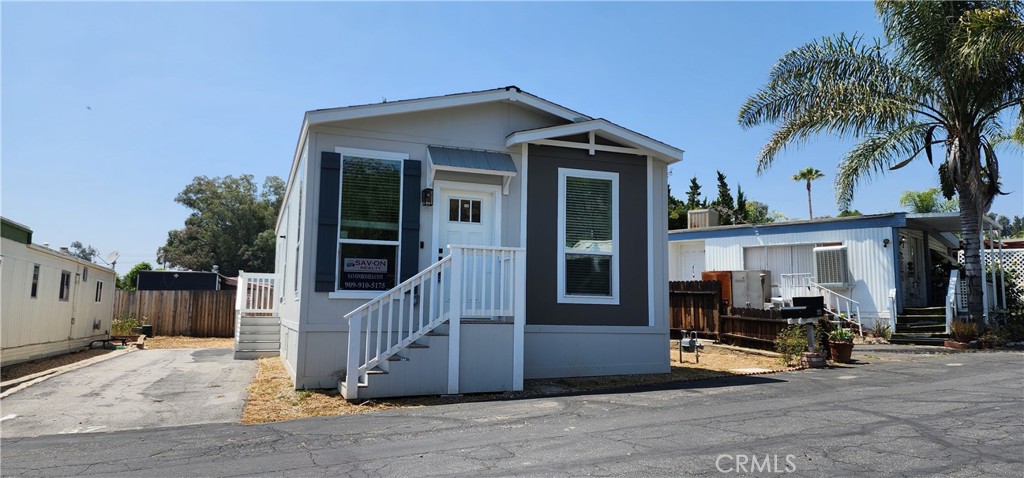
(951, 298)
(835, 303)
(483, 281)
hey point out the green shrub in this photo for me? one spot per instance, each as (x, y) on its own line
(791, 342)
(123, 325)
(881, 329)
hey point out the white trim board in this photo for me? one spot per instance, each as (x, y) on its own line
(662, 151)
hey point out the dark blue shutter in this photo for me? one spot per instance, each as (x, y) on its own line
(410, 219)
(327, 222)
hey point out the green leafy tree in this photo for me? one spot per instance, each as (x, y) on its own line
(724, 204)
(808, 175)
(693, 200)
(82, 251)
(740, 214)
(1008, 227)
(945, 74)
(131, 279)
(927, 201)
(231, 225)
(676, 212)
(849, 213)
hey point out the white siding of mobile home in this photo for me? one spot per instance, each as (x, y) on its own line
(871, 262)
(45, 325)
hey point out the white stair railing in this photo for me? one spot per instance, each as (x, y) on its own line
(952, 300)
(836, 304)
(488, 282)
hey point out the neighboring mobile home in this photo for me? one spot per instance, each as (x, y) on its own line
(882, 265)
(472, 240)
(52, 303)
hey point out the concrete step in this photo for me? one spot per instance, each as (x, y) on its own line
(255, 354)
(919, 338)
(264, 329)
(261, 321)
(924, 311)
(260, 337)
(906, 319)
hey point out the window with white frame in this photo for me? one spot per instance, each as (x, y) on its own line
(369, 231)
(588, 237)
(64, 293)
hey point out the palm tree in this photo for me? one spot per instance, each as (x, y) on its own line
(808, 174)
(946, 75)
(926, 201)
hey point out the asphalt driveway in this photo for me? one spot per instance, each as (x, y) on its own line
(138, 390)
(903, 414)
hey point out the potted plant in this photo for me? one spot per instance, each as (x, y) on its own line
(964, 334)
(840, 344)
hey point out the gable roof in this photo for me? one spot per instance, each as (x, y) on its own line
(509, 93)
(665, 152)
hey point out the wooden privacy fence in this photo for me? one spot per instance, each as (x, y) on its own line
(193, 313)
(754, 328)
(694, 305)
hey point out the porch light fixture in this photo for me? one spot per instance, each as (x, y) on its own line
(428, 197)
(885, 243)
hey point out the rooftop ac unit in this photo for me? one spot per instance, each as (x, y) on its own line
(702, 218)
(832, 266)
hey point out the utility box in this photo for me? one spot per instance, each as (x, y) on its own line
(698, 218)
(751, 288)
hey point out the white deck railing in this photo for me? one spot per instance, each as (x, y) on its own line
(836, 304)
(953, 298)
(253, 298)
(486, 282)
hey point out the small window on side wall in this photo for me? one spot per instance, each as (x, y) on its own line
(35, 282)
(588, 237)
(64, 293)
(99, 291)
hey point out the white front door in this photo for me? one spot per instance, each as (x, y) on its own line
(469, 215)
(467, 218)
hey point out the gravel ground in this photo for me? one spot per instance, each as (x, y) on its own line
(11, 372)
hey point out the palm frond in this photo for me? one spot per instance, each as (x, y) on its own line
(874, 156)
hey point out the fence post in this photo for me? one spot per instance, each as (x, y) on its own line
(519, 319)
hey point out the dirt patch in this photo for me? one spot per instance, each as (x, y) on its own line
(12, 372)
(272, 397)
(179, 342)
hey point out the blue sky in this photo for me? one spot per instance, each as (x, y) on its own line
(110, 109)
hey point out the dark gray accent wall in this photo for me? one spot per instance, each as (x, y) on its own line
(542, 307)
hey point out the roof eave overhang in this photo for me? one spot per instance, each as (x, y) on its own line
(661, 151)
(513, 95)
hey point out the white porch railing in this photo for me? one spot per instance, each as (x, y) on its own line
(953, 298)
(472, 281)
(836, 304)
(254, 298)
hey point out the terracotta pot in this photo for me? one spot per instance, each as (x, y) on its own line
(841, 351)
(953, 344)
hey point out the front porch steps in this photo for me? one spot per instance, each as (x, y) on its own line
(921, 326)
(419, 369)
(258, 337)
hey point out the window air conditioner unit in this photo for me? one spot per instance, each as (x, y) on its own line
(832, 266)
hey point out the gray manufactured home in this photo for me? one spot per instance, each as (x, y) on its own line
(463, 243)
